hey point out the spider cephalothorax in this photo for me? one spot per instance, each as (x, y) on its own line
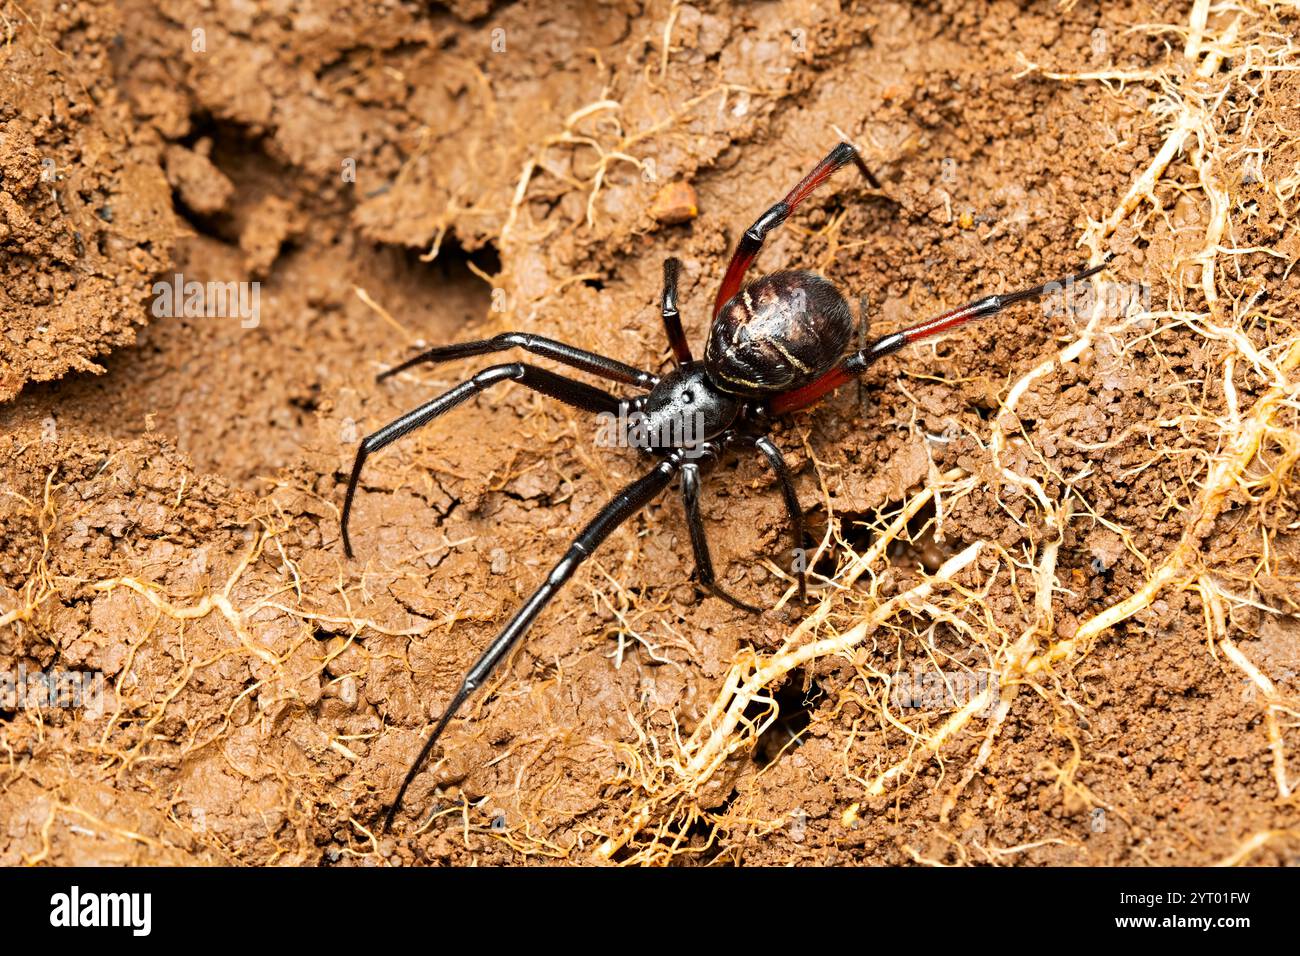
(775, 345)
(683, 409)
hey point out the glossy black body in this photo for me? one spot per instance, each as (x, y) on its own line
(682, 411)
(780, 332)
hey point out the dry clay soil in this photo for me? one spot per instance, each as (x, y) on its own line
(397, 174)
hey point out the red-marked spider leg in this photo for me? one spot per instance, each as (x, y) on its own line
(672, 320)
(858, 362)
(798, 398)
(539, 345)
(777, 460)
(752, 241)
(700, 540)
(579, 394)
(622, 506)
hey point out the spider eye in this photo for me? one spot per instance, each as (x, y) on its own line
(688, 397)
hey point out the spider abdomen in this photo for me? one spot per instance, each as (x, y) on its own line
(780, 332)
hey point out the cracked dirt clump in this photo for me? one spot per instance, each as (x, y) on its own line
(85, 214)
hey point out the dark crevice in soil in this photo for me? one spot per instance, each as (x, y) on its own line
(457, 269)
(795, 707)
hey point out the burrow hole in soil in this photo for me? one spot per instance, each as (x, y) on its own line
(858, 530)
(795, 706)
(454, 270)
(240, 154)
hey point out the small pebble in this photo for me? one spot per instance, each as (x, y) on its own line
(348, 691)
(932, 556)
(675, 203)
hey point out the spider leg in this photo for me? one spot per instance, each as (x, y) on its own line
(861, 343)
(672, 320)
(700, 541)
(572, 392)
(777, 460)
(539, 345)
(621, 507)
(857, 363)
(752, 241)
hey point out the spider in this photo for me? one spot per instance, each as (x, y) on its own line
(775, 345)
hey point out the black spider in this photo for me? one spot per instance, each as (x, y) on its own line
(775, 346)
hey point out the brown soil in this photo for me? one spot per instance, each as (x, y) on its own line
(1096, 506)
